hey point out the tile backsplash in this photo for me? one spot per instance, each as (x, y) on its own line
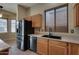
(76, 30)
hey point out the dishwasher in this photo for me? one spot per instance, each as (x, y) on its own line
(33, 43)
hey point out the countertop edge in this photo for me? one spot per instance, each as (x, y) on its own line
(62, 40)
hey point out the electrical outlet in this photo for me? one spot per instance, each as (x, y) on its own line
(72, 30)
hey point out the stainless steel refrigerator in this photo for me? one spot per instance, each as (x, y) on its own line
(24, 28)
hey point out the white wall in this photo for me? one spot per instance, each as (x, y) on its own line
(22, 12)
(39, 8)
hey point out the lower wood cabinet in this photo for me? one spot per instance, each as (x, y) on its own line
(42, 46)
(73, 49)
(53, 47)
(57, 48)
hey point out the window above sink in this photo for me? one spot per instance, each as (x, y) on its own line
(57, 19)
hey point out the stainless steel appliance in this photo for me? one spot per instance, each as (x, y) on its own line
(24, 28)
(33, 43)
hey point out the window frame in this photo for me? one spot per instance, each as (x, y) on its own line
(11, 26)
(54, 8)
(7, 25)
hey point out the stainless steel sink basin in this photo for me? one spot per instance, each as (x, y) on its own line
(55, 37)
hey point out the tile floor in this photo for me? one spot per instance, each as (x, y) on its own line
(15, 51)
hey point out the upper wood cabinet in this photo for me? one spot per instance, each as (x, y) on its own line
(57, 48)
(77, 15)
(37, 21)
(42, 46)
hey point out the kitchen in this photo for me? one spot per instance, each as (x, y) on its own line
(55, 28)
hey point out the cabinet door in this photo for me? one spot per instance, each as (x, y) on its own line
(50, 21)
(42, 46)
(77, 14)
(73, 49)
(37, 21)
(61, 20)
(57, 48)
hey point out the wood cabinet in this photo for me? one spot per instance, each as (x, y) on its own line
(53, 47)
(73, 49)
(42, 46)
(77, 14)
(37, 21)
(57, 48)
(4, 52)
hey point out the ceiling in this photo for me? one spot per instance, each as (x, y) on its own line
(12, 6)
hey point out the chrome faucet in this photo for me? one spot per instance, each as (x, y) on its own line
(50, 32)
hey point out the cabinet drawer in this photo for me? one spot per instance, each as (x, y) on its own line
(64, 44)
(42, 40)
(57, 50)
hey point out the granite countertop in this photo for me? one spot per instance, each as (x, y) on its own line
(3, 45)
(65, 38)
(35, 35)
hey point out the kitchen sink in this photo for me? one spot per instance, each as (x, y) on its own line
(55, 37)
